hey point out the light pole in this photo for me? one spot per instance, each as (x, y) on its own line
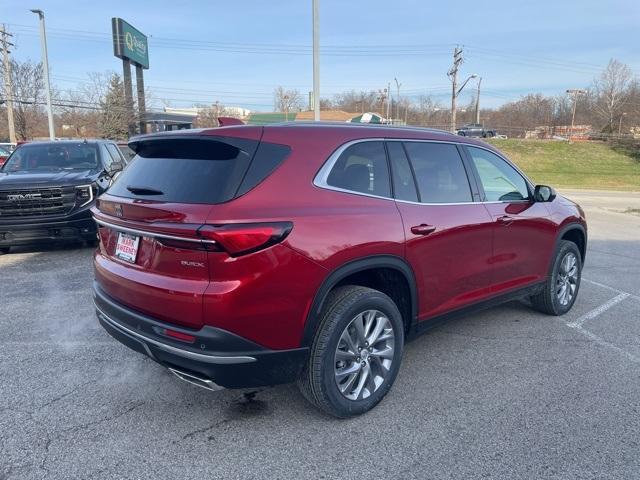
(398, 85)
(45, 67)
(316, 61)
(620, 123)
(454, 98)
(575, 92)
(478, 102)
(286, 108)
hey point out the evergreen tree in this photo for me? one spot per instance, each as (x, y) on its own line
(114, 118)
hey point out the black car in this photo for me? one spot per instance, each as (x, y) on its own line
(47, 189)
(476, 130)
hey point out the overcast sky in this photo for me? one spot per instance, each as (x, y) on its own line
(237, 52)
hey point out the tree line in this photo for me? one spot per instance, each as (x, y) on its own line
(97, 108)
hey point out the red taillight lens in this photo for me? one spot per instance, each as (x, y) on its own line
(241, 239)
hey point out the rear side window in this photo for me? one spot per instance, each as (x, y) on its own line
(362, 167)
(439, 172)
(404, 186)
(187, 170)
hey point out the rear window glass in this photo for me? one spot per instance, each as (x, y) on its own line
(186, 170)
(197, 170)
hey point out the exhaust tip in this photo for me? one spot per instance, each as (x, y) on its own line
(195, 380)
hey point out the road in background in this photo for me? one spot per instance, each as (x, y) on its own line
(508, 393)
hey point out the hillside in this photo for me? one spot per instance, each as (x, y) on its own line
(589, 165)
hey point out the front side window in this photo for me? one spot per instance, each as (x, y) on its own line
(362, 167)
(501, 182)
(439, 172)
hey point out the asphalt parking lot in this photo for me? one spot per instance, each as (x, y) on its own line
(508, 393)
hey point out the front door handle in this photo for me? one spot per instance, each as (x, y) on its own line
(505, 220)
(423, 229)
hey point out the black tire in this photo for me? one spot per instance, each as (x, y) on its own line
(317, 381)
(548, 301)
(489, 135)
(5, 249)
(91, 242)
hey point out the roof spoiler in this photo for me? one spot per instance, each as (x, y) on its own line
(227, 121)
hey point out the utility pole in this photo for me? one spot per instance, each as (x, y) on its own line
(453, 76)
(382, 97)
(478, 101)
(389, 112)
(575, 92)
(45, 67)
(398, 85)
(8, 85)
(316, 61)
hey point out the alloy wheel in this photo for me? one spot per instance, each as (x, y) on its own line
(364, 355)
(567, 279)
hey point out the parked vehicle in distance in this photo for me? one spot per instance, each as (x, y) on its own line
(47, 189)
(4, 154)
(245, 256)
(476, 130)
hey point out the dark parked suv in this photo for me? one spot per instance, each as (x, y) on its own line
(47, 189)
(245, 256)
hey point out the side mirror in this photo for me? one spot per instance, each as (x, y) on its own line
(115, 167)
(543, 193)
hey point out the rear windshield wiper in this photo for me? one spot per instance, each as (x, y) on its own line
(143, 190)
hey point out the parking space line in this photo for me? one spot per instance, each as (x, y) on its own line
(609, 287)
(577, 324)
(598, 310)
(602, 342)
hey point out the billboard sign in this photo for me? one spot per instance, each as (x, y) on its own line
(129, 43)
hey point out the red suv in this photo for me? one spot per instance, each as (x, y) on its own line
(245, 256)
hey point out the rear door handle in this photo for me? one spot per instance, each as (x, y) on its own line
(505, 220)
(423, 229)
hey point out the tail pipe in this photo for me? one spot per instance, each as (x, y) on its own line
(195, 380)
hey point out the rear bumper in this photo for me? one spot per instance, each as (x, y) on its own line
(33, 231)
(217, 357)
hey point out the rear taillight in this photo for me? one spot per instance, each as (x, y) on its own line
(241, 239)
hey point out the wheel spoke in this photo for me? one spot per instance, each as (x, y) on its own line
(377, 330)
(363, 378)
(386, 352)
(354, 368)
(358, 323)
(369, 319)
(349, 341)
(345, 355)
(346, 386)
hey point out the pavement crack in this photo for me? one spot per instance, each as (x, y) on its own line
(193, 433)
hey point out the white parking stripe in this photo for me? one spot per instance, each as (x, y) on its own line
(599, 310)
(609, 287)
(604, 343)
(577, 324)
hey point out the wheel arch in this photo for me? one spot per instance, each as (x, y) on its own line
(576, 233)
(350, 270)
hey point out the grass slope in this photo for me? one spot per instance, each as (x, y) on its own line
(589, 165)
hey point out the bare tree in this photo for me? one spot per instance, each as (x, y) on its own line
(28, 97)
(287, 100)
(208, 115)
(611, 93)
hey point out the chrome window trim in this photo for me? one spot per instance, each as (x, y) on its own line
(146, 233)
(320, 180)
(177, 351)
